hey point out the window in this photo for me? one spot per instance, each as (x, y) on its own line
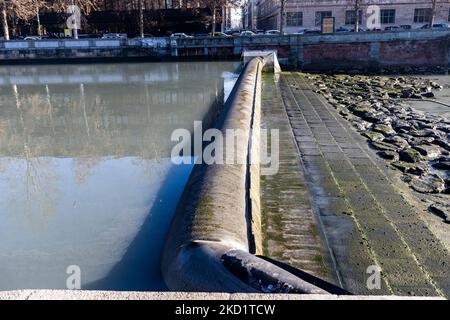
(350, 17)
(322, 14)
(448, 14)
(294, 19)
(422, 15)
(387, 16)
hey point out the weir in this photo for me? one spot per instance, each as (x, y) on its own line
(217, 226)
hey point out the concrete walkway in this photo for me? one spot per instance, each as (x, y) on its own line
(290, 232)
(364, 216)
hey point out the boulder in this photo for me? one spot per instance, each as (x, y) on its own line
(388, 155)
(384, 146)
(441, 210)
(373, 136)
(384, 129)
(410, 155)
(429, 183)
(397, 141)
(429, 152)
(417, 169)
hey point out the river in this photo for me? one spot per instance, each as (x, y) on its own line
(87, 188)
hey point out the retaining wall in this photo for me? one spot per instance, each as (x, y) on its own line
(310, 52)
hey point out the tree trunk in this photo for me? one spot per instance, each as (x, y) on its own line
(141, 18)
(433, 12)
(213, 18)
(283, 2)
(39, 31)
(357, 9)
(4, 20)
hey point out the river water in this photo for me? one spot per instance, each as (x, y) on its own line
(87, 188)
(441, 96)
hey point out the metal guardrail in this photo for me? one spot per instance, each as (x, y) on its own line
(264, 40)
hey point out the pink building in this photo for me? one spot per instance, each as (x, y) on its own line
(308, 13)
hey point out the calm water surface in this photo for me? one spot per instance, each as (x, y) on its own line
(442, 96)
(85, 174)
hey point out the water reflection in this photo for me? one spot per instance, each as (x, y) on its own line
(85, 177)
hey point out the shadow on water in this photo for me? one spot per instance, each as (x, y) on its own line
(139, 268)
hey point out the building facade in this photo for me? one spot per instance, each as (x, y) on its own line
(308, 14)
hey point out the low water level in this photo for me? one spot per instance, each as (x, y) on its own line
(441, 96)
(85, 175)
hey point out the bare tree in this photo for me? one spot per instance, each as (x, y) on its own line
(433, 12)
(20, 9)
(141, 18)
(214, 6)
(4, 18)
(357, 14)
(282, 14)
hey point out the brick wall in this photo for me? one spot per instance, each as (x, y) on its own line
(325, 56)
(422, 53)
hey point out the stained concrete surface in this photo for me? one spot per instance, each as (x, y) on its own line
(367, 219)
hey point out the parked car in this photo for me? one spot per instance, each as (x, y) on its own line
(406, 27)
(218, 34)
(31, 38)
(308, 31)
(259, 31)
(273, 33)
(425, 26)
(392, 28)
(342, 29)
(180, 35)
(440, 26)
(114, 36)
(199, 34)
(247, 33)
(300, 31)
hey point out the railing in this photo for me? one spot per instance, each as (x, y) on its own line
(205, 42)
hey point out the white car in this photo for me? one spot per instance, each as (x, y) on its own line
(179, 35)
(301, 31)
(32, 38)
(114, 36)
(273, 33)
(247, 34)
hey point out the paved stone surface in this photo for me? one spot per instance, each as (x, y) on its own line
(290, 232)
(364, 216)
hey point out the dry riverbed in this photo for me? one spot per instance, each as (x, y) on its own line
(415, 142)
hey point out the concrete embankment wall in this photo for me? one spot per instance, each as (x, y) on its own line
(394, 49)
(217, 225)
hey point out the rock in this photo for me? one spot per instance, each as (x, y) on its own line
(401, 124)
(442, 143)
(407, 93)
(443, 163)
(410, 155)
(388, 155)
(397, 141)
(379, 145)
(428, 151)
(441, 210)
(430, 183)
(417, 169)
(422, 133)
(384, 129)
(373, 136)
(428, 95)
